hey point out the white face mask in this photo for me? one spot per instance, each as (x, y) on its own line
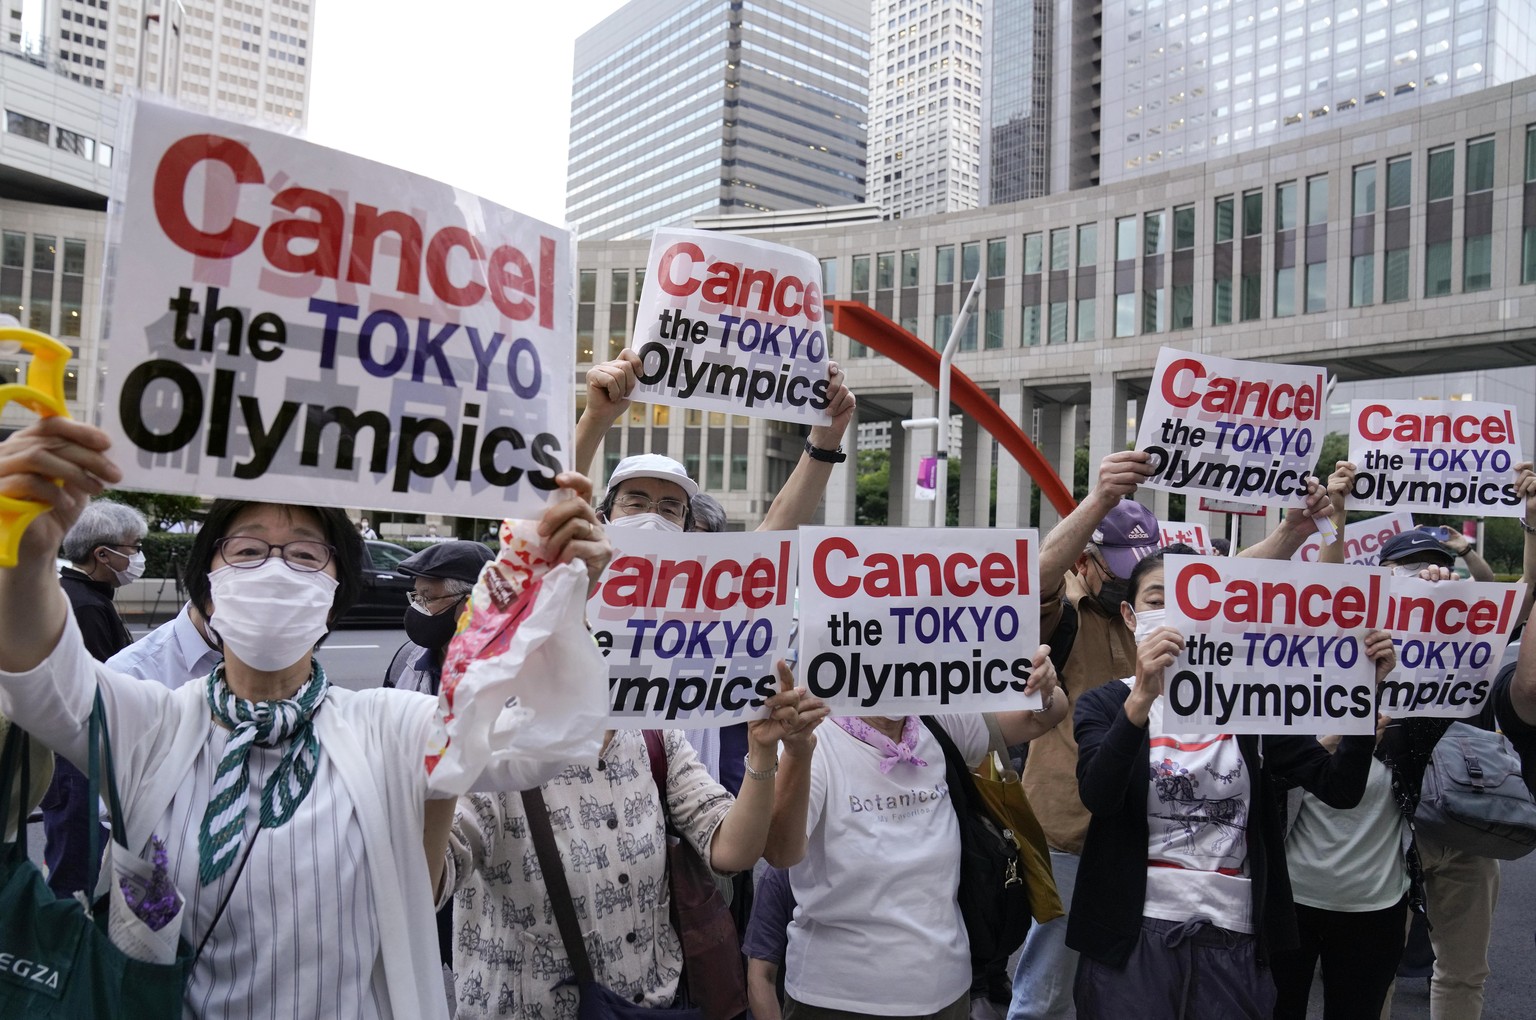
(645, 522)
(270, 616)
(1148, 620)
(132, 572)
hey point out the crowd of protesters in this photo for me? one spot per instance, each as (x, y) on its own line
(314, 851)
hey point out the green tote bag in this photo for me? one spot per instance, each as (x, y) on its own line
(55, 958)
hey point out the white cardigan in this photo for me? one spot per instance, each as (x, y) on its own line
(376, 739)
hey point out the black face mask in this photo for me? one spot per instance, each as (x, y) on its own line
(1111, 593)
(432, 632)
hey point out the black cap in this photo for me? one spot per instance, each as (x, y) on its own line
(1415, 546)
(453, 561)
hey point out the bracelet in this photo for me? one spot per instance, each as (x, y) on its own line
(752, 773)
(836, 456)
(1528, 529)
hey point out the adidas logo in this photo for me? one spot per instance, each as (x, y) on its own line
(1139, 532)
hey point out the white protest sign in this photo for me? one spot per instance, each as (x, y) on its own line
(692, 624)
(887, 630)
(1362, 540)
(293, 323)
(1271, 646)
(1450, 638)
(1437, 456)
(1192, 535)
(728, 323)
(1241, 431)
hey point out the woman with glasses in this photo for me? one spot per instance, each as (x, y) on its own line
(293, 812)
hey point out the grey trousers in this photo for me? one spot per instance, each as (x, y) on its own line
(1187, 970)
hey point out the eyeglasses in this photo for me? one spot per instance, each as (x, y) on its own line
(246, 553)
(425, 603)
(673, 510)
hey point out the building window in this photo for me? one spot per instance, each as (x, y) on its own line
(70, 141)
(861, 274)
(1125, 239)
(994, 334)
(909, 268)
(586, 310)
(27, 127)
(1221, 302)
(1221, 281)
(1317, 200)
(1253, 214)
(997, 259)
(1479, 166)
(1528, 239)
(1441, 174)
(1362, 272)
(1437, 269)
(1285, 206)
(1125, 314)
(885, 270)
(1058, 322)
(1317, 286)
(1365, 190)
(1087, 246)
(1223, 219)
(44, 257)
(1399, 182)
(1184, 228)
(1086, 311)
(944, 266)
(1034, 253)
(1032, 335)
(1477, 247)
(1061, 244)
(13, 271)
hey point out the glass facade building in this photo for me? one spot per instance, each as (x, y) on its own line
(1017, 105)
(681, 108)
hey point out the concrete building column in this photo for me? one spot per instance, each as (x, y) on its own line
(975, 474)
(900, 480)
(1013, 484)
(1054, 418)
(840, 504)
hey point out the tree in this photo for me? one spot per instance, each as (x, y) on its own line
(873, 496)
(161, 509)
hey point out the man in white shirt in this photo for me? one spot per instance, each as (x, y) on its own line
(173, 653)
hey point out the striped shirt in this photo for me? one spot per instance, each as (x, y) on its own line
(305, 887)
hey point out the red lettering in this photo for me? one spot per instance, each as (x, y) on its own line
(824, 583)
(444, 242)
(170, 195)
(952, 582)
(367, 225)
(324, 259)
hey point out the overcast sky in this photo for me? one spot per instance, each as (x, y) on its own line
(476, 93)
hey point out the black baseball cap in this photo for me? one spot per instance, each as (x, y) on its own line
(1416, 545)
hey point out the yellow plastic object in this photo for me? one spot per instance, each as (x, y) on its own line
(42, 393)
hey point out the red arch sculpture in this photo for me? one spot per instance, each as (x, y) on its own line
(880, 334)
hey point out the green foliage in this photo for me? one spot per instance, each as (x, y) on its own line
(871, 502)
(165, 554)
(1334, 448)
(160, 509)
(1502, 544)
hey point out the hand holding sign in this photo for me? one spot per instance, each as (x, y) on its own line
(840, 406)
(610, 385)
(1380, 650)
(793, 716)
(1157, 651)
(570, 529)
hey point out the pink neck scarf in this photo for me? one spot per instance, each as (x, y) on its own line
(895, 752)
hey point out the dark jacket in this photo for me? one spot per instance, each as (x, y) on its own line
(101, 627)
(1113, 776)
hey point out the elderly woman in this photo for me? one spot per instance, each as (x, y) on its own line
(609, 826)
(293, 812)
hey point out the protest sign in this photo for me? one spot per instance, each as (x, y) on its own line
(1192, 535)
(1241, 431)
(1362, 540)
(1450, 639)
(1436, 456)
(691, 625)
(1271, 646)
(293, 323)
(886, 630)
(732, 324)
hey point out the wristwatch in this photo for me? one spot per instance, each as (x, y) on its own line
(836, 456)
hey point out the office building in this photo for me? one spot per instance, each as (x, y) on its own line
(925, 100)
(1395, 247)
(1016, 102)
(223, 56)
(683, 108)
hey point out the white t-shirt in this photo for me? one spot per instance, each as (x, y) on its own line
(1198, 795)
(877, 927)
(1349, 860)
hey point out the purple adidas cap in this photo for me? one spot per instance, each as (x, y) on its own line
(1127, 534)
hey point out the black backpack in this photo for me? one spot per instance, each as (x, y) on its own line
(993, 897)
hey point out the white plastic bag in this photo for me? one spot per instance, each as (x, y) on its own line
(524, 685)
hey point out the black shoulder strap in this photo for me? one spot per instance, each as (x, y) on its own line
(961, 793)
(543, 836)
(1064, 636)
